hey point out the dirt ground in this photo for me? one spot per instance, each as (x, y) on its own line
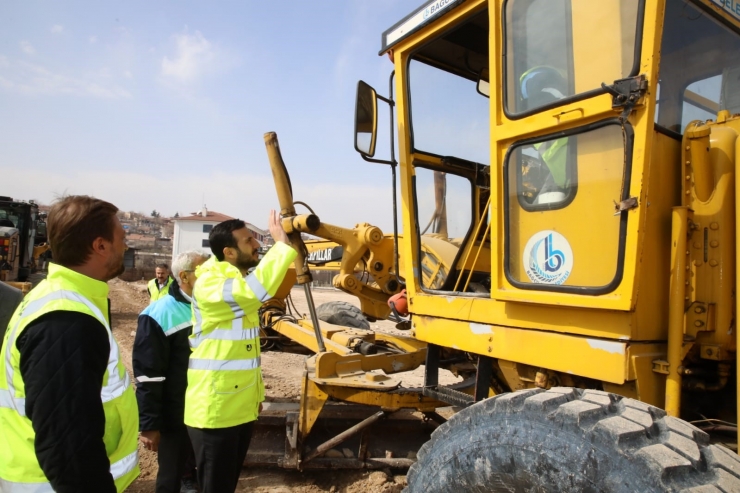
(281, 372)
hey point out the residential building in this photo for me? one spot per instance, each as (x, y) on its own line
(191, 232)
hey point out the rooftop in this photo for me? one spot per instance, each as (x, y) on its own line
(257, 229)
(204, 216)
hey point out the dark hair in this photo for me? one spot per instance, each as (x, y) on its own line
(222, 236)
(74, 223)
(162, 266)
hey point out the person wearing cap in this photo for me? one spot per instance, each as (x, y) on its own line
(539, 87)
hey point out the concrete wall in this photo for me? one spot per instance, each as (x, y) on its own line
(140, 265)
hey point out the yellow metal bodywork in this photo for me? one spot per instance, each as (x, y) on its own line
(439, 256)
(364, 244)
(545, 328)
(679, 267)
(709, 191)
(670, 272)
(348, 376)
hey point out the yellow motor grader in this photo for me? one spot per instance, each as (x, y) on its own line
(578, 158)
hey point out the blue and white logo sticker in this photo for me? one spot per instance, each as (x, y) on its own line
(548, 258)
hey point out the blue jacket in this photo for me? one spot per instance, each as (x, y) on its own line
(160, 360)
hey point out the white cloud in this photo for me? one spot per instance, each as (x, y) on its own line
(27, 48)
(93, 39)
(194, 57)
(192, 54)
(128, 74)
(57, 29)
(33, 79)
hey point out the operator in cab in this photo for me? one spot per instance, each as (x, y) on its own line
(539, 87)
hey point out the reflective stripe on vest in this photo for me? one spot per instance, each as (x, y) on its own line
(228, 296)
(17, 403)
(224, 364)
(235, 333)
(257, 288)
(13, 487)
(115, 386)
(118, 469)
(198, 325)
(124, 466)
(177, 328)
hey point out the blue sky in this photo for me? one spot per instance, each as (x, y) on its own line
(163, 105)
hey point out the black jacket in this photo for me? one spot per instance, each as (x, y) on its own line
(161, 349)
(63, 358)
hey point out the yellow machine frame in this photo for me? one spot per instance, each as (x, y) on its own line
(669, 309)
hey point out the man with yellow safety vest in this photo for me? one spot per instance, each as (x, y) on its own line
(160, 361)
(160, 285)
(225, 387)
(68, 416)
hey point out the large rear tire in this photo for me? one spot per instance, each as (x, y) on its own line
(570, 440)
(342, 313)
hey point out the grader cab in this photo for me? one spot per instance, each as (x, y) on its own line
(577, 162)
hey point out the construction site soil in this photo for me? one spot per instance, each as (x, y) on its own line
(282, 374)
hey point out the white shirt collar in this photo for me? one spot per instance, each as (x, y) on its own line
(184, 295)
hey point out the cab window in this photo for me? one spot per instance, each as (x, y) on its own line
(559, 49)
(578, 245)
(699, 67)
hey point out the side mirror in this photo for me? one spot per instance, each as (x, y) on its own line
(366, 119)
(483, 86)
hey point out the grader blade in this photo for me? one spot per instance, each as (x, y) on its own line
(388, 439)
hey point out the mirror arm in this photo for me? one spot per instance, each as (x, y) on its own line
(380, 161)
(393, 163)
(389, 101)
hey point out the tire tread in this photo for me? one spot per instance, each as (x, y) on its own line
(342, 313)
(673, 454)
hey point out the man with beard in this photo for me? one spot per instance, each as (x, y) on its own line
(159, 287)
(225, 387)
(68, 416)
